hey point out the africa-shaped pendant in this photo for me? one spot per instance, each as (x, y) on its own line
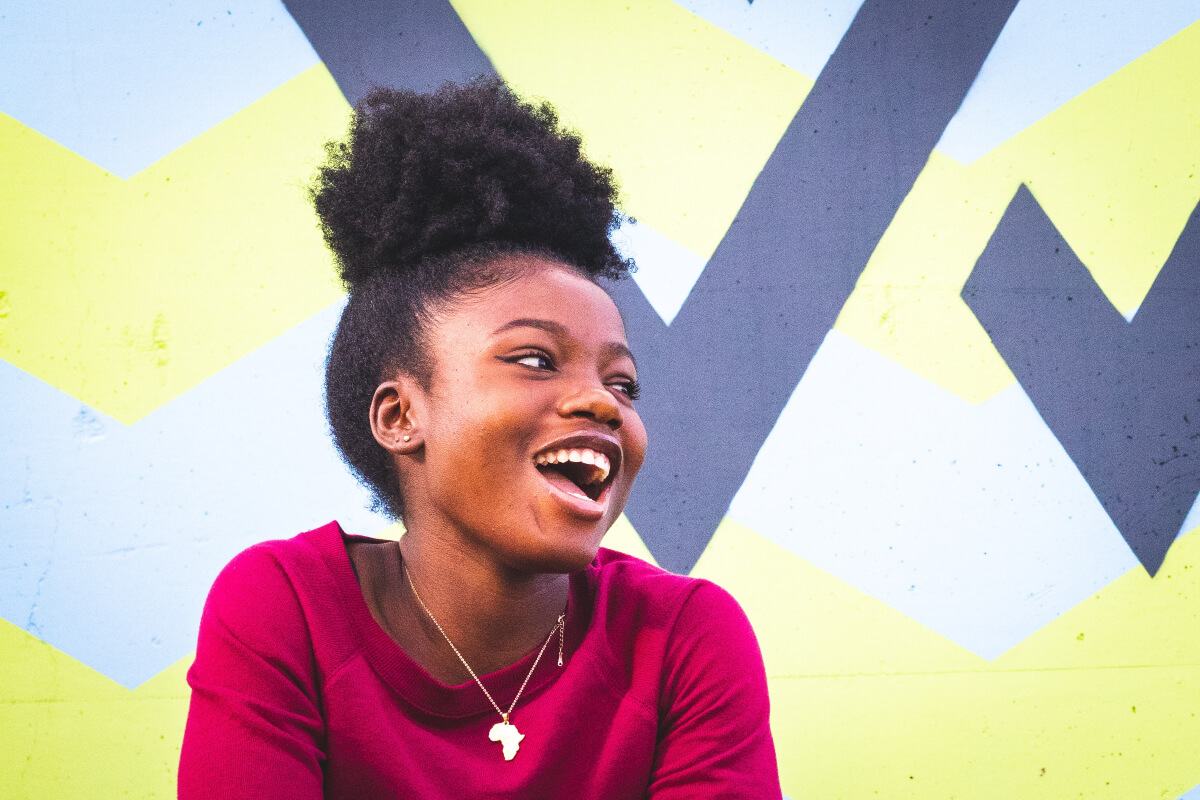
(508, 736)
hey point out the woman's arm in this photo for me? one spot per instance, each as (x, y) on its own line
(714, 715)
(254, 728)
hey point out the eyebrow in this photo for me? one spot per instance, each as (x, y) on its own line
(556, 329)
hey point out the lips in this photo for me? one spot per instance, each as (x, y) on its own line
(581, 466)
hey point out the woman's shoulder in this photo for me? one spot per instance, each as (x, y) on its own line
(292, 583)
(636, 582)
(267, 567)
(635, 574)
(634, 596)
(664, 636)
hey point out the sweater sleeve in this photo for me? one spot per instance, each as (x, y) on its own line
(714, 735)
(254, 727)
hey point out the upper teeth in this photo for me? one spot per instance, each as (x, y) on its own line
(583, 455)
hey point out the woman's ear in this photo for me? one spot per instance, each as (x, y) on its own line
(396, 412)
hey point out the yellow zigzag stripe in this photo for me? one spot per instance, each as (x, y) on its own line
(1115, 168)
(1101, 703)
(1104, 702)
(684, 113)
(127, 293)
(67, 731)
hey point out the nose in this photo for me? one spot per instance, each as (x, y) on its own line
(594, 403)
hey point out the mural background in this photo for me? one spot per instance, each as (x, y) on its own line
(937, 432)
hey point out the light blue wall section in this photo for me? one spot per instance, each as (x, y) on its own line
(123, 84)
(799, 33)
(95, 514)
(971, 519)
(666, 270)
(1049, 52)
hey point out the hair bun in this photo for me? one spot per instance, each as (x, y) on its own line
(424, 174)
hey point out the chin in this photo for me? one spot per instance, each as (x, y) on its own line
(550, 537)
(569, 551)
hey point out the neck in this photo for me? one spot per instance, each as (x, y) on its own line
(494, 615)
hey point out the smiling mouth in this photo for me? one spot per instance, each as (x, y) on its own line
(581, 471)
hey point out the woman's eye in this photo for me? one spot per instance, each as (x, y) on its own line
(535, 360)
(630, 388)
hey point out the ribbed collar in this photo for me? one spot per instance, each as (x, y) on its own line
(410, 680)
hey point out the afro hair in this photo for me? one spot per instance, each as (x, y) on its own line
(428, 198)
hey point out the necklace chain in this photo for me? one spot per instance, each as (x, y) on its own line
(559, 627)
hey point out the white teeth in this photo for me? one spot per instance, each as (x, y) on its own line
(583, 456)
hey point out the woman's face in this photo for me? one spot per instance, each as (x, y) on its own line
(528, 434)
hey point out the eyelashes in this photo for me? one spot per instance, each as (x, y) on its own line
(632, 389)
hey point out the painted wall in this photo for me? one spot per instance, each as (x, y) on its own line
(918, 314)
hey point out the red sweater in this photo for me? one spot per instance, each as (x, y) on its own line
(297, 693)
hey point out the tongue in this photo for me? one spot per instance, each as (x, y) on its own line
(561, 481)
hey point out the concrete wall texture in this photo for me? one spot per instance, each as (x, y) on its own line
(917, 312)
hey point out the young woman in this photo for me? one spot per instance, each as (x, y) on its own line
(480, 384)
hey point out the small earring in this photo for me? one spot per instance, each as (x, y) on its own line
(407, 438)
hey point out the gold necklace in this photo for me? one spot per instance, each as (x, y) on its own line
(504, 732)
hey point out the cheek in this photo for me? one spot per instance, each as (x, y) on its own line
(480, 446)
(634, 444)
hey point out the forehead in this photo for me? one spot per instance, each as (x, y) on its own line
(542, 290)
